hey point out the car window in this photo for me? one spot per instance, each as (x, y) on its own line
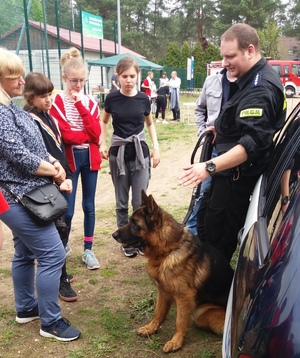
(277, 69)
(286, 70)
(296, 70)
(284, 162)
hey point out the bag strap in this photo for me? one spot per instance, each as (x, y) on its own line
(9, 191)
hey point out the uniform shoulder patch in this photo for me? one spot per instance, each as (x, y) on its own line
(251, 112)
(257, 80)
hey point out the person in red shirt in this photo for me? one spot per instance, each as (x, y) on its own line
(147, 84)
(78, 119)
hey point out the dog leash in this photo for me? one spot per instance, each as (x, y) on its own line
(205, 143)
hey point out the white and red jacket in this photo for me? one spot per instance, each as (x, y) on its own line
(79, 125)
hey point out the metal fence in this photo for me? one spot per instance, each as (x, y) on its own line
(182, 74)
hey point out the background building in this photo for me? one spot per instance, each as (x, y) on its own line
(44, 50)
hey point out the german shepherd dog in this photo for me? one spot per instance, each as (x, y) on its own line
(191, 273)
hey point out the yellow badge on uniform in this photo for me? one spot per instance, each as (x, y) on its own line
(251, 112)
(284, 103)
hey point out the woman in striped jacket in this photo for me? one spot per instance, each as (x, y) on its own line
(78, 119)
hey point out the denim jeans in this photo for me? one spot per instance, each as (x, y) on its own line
(192, 221)
(89, 184)
(42, 243)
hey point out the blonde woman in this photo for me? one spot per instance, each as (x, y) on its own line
(24, 165)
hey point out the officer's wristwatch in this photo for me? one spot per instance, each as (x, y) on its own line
(285, 200)
(210, 168)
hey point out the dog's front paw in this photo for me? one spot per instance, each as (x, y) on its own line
(172, 346)
(147, 330)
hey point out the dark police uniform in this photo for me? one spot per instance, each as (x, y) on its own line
(255, 111)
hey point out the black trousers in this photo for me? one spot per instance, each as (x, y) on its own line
(223, 211)
(161, 103)
(176, 114)
(63, 233)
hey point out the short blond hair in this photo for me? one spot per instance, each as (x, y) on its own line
(11, 65)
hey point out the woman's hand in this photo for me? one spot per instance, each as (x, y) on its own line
(103, 151)
(66, 186)
(155, 156)
(61, 174)
(76, 96)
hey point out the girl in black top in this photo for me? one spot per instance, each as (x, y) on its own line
(129, 155)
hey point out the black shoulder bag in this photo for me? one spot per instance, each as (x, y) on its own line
(44, 203)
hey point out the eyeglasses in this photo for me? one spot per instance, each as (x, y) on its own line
(74, 82)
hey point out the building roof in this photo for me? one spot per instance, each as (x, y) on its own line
(74, 39)
(288, 48)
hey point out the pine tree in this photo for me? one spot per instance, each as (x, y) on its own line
(185, 54)
(173, 55)
(199, 59)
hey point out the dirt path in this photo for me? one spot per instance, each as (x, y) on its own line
(164, 186)
(167, 191)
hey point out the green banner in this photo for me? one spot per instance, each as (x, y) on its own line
(92, 25)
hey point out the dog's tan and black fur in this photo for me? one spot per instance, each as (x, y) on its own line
(192, 274)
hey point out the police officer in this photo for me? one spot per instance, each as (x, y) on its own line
(245, 129)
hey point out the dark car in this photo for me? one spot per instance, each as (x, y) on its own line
(263, 312)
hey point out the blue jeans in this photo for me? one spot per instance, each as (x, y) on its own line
(205, 185)
(89, 184)
(192, 221)
(42, 243)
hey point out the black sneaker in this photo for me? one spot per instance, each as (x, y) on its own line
(60, 330)
(129, 251)
(140, 250)
(28, 316)
(66, 292)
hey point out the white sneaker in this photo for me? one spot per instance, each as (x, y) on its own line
(90, 260)
(165, 122)
(158, 121)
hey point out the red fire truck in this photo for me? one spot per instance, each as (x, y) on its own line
(289, 72)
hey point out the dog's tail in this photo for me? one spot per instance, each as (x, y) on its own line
(211, 317)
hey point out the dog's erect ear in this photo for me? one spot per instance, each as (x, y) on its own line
(144, 198)
(149, 202)
(151, 205)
